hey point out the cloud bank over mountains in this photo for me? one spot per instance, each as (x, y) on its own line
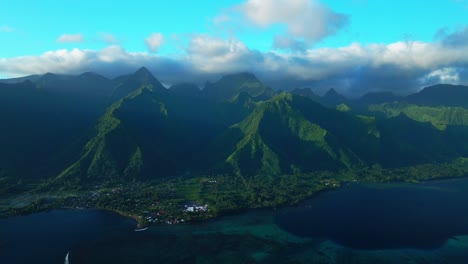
(401, 67)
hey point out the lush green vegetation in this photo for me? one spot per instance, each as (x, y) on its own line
(343, 108)
(439, 116)
(235, 145)
(228, 193)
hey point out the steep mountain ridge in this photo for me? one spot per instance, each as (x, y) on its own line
(149, 135)
(130, 83)
(277, 138)
(332, 98)
(231, 85)
(440, 95)
(235, 126)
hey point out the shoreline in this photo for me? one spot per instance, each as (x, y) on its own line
(140, 221)
(135, 218)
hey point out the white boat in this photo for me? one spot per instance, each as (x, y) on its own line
(66, 258)
(141, 229)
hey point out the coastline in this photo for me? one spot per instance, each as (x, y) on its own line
(133, 217)
(140, 224)
(329, 182)
(137, 219)
(255, 225)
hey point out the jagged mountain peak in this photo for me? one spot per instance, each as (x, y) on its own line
(229, 86)
(306, 92)
(140, 78)
(332, 98)
(331, 92)
(143, 72)
(92, 76)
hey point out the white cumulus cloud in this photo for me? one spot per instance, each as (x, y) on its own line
(307, 19)
(401, 67)
(444, 75)
(71, 38)
(216, 55)
(108, 38)
(154, 41)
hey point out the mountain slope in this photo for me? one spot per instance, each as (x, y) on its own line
(440, 95)
(332, 98)
(289, 133)
(31, 78)
(44, 123)
(186, 89)
(440, 117)
(306, 92)
(149, 135)
(231, 85)
(236, 126)
(280, 136)
(90, 89)
(130, 83)
(377, 98)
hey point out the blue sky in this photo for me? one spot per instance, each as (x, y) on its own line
(200, 40)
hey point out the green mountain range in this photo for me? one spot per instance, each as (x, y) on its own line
(79, 130)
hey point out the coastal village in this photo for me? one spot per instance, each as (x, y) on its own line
(168, 203)
(161, 217)
(164, 205)
(141, 202)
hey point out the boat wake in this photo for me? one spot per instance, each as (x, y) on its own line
(66, 258)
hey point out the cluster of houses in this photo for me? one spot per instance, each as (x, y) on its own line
(174, 221)
(88, 200)
(195, 208)
(116, 189)
(160, 217)
(153, 217)
(329, 183)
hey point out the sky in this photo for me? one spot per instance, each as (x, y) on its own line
(354, 46)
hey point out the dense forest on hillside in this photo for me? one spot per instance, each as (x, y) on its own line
(234, 144)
